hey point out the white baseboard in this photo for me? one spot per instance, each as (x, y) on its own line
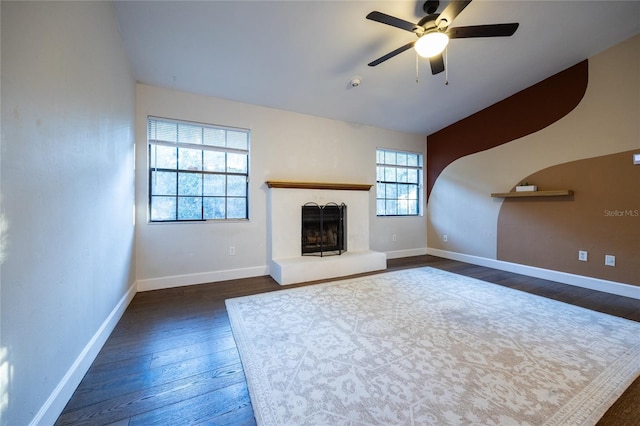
(53, 406)
(396, 254)
(200, 278)
(591, 283)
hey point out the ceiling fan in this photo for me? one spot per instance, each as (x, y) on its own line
(433, 32)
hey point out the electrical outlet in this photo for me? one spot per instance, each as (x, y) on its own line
(445, 238)
(583, 255)
(609, 260)
(394, 238)
(232, 250)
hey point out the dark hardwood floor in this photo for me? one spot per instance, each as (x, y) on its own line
(172, 359)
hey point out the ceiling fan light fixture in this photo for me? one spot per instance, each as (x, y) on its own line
(431, 44)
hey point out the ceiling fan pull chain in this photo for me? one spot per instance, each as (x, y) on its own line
(417, 61)
(446, 66)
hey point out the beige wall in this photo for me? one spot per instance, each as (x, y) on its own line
(601, 217)
(606, 121)
(68, 112)
(284, 146)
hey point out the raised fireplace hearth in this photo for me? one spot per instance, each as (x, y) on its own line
(323, 229)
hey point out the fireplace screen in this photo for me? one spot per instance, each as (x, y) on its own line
(324, 229)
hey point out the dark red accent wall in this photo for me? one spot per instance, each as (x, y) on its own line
(519, 115)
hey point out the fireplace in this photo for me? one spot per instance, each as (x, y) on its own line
(323, 229)
(286, 264)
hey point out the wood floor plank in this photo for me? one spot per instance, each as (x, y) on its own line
(172, 359)
(154, 398)
(93, 390)
(241, 417)
(101, 372)
(178, 341)
(197, 409)
(196, 331)
(221, 341)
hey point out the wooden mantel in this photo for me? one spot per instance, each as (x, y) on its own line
(319, 185)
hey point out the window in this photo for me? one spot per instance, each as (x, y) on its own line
(197, 171)
(399, 180)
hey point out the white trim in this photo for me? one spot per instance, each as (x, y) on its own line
(53, 406)
(200, 278)
(396, 254)
(598, 284)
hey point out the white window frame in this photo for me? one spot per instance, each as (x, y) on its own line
(155, 140)
(399, 183)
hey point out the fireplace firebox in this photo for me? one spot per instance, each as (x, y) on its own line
(324, 229)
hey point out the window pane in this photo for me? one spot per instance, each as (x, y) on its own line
(236, 208)
(412, 176)
(403, 191)
(238, 140)
(214, 137)
(379, 173)
(391, 207)
(189, 134)
(163, 208)
(413, 192)
(214, 208)
(380, 204)
(412, 207)
(380, 156)
(380, 190)
(214, 161)
(392, 191)
(189, 184)
(236, 163)
(402, 175)
(236, 186)
(401, 158)
(163, 157)
(390, 174)
(163, 183)
(412, 160)
(214, 185)
(389, 157)
(189, 208)
(189, 159)
(402, 207)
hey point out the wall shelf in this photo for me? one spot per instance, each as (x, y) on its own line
(549, 193)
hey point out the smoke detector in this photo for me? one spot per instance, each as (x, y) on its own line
(355, 82)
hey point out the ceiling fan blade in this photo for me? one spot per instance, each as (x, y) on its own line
(451, 11)
(494, 30)
(392, 54)
(392, 20)
(437, 64)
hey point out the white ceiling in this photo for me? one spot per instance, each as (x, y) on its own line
(300, 55)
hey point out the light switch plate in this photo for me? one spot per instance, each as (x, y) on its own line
(583, 255)
(609, 260)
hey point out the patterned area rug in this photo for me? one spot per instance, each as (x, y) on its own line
(427, 347)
